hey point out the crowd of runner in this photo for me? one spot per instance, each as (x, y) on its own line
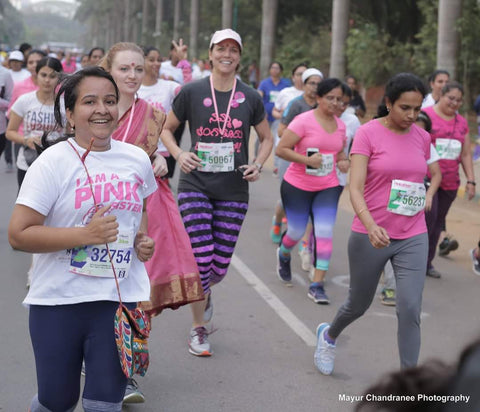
(115, 122)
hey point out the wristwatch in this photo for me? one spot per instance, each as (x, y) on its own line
(259, 166)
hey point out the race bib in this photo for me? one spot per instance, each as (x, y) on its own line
(93, 260)
(406, 198)
(448, 149)
(216, 157)
(325, 169)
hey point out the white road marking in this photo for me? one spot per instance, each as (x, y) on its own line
(275, 303)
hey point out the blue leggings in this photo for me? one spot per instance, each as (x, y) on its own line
(321, 206)
(62, 337)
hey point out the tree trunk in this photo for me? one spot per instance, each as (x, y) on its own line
(267, 42)
(176, 19)
(158, 21)
(193, 43)
(227, 13)
(144, 21)
(126, 21)
(340, 13)
(447, 42)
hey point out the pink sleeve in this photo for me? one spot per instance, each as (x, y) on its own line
(361, 143)
(297, 125)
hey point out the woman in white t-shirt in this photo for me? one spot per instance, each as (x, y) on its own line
(35, 111)
(79, 195)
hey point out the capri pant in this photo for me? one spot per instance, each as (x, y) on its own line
(321, 206)
(408, 257)
(213, 227)
(62, 337)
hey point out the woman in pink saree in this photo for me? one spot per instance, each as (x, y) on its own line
(173, 272)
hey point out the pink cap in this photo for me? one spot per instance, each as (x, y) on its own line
(225, 34)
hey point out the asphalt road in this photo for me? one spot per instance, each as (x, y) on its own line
(263, 343)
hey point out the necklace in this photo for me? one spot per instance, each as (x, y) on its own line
(227, 114)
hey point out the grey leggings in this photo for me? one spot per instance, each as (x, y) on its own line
(408, 257)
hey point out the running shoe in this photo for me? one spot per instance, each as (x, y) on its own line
(447, 245)
(132, 393)
(316, 292)
(475, 263)
(434, 273)
(276, 231)
(198, 344)
(305, 257)
(388, 297)
(207, 315)
(325, 353)
(283, 267)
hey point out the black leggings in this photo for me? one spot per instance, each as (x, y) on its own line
(62, 337)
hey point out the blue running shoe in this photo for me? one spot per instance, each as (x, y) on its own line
(283, 267)
(325, 353)
(316, 292)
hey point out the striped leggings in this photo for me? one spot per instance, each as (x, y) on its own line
(213, 227)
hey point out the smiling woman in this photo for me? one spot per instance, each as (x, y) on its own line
(213, 186)
(66, 219)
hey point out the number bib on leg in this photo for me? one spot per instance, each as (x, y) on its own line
(325, 169)
(448, 149)
(93, 260)
(406, 198)
(216, 157)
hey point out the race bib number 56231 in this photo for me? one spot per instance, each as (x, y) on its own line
(406, 198)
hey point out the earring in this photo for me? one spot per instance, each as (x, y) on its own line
(388, 109)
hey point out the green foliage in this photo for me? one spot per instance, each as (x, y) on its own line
(425, 49)
(298, 43)
(373, 56)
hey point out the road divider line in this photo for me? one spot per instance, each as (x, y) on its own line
(274, 302)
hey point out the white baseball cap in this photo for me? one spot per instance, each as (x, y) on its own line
(16, 55)
(311, 72)
(221, 35)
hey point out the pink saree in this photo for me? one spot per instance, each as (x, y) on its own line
(173, 271)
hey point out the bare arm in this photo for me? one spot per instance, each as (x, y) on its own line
(144, 245)
(378, 236)
(285, 150)
(252, 172)
(27, 232)
(467, 165)
(435, 181)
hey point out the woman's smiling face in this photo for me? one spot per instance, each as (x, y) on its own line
(95, 113)
(128, 70)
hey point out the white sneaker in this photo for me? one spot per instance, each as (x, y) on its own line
(306, 258)
(325, 353)
(198, 344)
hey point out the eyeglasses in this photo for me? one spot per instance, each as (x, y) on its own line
(333, 99)
(315, 84)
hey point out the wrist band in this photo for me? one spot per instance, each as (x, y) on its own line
(471, 182)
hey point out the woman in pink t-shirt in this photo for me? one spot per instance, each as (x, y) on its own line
(314, 143)
(389, 162)
(450, 138)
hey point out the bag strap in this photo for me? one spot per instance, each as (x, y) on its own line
(82, 160)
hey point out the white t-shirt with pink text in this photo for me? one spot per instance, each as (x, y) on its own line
(56, 186)
(391, 156)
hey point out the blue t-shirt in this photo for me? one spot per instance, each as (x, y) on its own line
(270, 92)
